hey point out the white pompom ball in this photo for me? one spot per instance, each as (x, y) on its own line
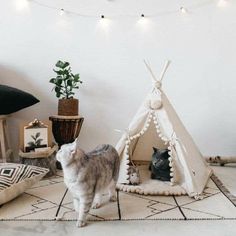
(155, 104)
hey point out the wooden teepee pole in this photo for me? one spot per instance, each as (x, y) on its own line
(164, 69)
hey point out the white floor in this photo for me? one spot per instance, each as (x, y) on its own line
(222, 228)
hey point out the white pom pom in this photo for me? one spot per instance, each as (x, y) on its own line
(142, 132)
(155, 122)
(170, 153)
(156, 104)
(172, 169)
(170, 164)
(166, 193)
(170, 158)
(141, 191)
(171, 174)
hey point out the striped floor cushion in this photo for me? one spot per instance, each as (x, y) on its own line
(16, 178)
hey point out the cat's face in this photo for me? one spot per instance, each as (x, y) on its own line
(159, 157)
(66, 153)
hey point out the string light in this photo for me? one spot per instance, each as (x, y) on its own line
(183, 10)
(104, 22)
(23, 4)
(144, 22)
(62, 11)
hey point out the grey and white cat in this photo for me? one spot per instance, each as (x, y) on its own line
(87, 175)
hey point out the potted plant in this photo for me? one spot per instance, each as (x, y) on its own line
(65, 83)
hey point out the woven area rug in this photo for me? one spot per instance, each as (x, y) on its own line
(48, 201)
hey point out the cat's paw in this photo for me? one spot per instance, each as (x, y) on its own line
(96, 205)
(80, 223)
(113, 198)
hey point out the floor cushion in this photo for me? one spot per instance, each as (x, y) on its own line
(13, 99)
(16, 178)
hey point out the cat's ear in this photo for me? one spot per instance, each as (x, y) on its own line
(162, 151)
(76, 143)
(154, 149)
(75, 146)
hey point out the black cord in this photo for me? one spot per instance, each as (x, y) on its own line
(118, 204)
(58, 210)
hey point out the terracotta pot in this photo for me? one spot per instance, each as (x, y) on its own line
(68, 107)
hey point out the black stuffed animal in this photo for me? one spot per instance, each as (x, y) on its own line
(159, 165)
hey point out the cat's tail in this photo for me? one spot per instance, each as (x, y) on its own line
(116, 166)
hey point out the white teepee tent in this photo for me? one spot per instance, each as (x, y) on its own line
(157, 124)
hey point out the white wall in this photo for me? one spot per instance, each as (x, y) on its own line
(201, 81)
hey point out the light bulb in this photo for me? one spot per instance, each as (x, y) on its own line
(22, 5)
(183, 10)
(104, 22)
(222, 3)
(143, 21)
(62, 11)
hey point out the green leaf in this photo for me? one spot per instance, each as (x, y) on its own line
(59, 72)
(66, 64)
(76, 77)
(62, 65)
(57, 89)
(34, 138)
(52, 80)
(69, 82)
(37, 134)
(38, 142)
